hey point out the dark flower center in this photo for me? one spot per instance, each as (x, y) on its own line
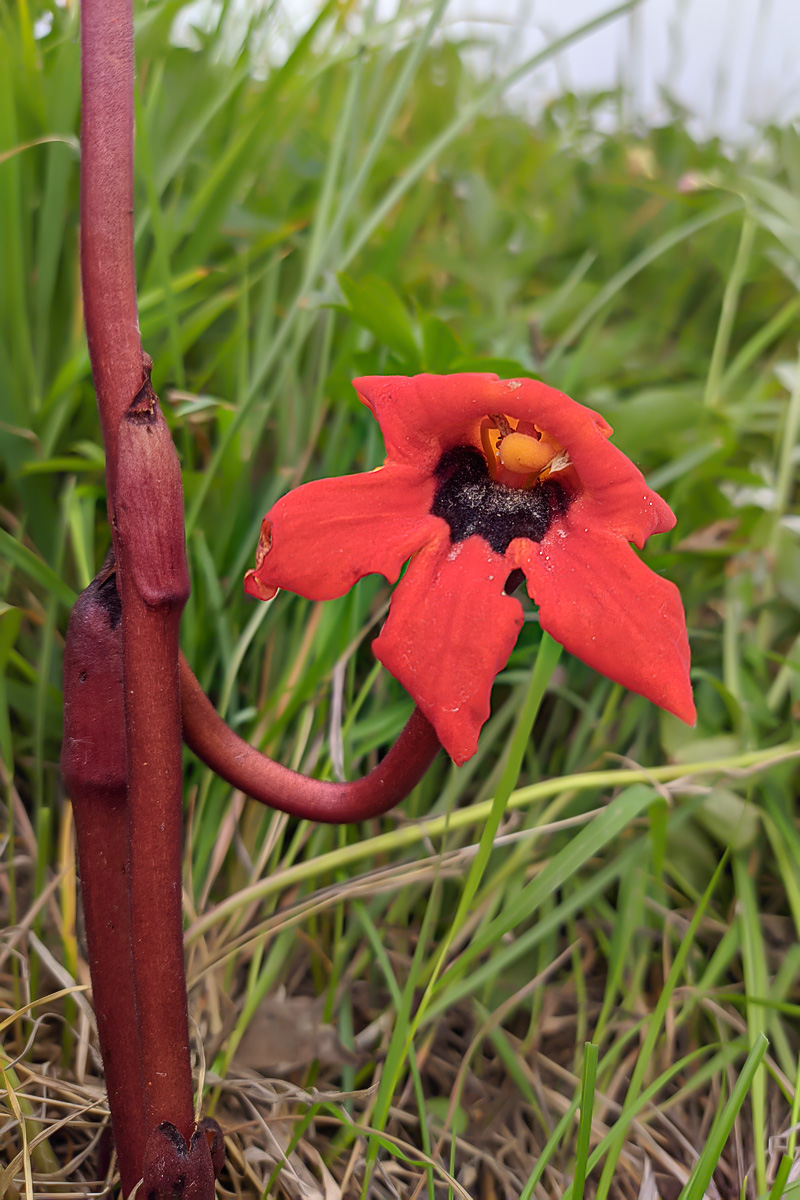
(471, 502)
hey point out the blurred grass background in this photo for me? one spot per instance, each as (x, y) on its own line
(602, 999)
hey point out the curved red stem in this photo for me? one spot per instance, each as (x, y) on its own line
(256, 775)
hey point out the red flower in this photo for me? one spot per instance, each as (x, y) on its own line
(486, 478)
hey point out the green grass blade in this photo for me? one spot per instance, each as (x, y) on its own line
(720, 1131)
(585, 1119)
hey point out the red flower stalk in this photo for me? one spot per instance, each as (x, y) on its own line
(122, 748)
(486, 481)
(122, 721)
(311, 799)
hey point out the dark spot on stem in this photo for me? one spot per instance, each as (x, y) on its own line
(108, 596)
(144, 405)
(172, 1132)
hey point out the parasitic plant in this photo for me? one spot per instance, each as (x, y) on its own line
(486, 482)
(124, 684)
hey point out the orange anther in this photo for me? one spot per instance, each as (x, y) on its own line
(524, 455)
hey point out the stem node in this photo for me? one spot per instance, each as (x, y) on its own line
(149, 506)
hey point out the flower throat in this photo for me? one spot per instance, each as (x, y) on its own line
(471, 502)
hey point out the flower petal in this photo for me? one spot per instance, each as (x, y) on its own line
(322, 537)
(449, 631)
(613, 491)
(606, 607)
(421, 416)
(625, 506)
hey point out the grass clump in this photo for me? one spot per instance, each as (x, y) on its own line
(571, 967)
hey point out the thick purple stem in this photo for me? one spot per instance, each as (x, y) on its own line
(145, 507)
(93, 766)
(130, 837)
(154, 584)
(107, 263)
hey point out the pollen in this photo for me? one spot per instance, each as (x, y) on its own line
(472, 502)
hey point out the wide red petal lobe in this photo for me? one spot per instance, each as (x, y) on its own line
(422, 415)
(449, 631)
(606, 607)
(322, 537)
(611, 488)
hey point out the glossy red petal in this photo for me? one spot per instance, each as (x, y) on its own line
(626, 507)
(322, 537)
(606, 607)
(612, 489)
(450, 630)
(421, 416)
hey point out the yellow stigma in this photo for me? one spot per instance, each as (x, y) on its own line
(519, 453)
(524, 454)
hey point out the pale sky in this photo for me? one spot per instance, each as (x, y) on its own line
(732, 63)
